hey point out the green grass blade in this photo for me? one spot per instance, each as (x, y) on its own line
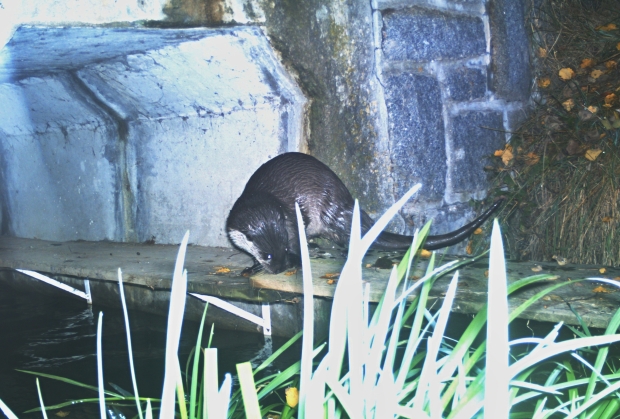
(248, 390)
(181, 393)
(194, 384)
(72, 382)
(279, 352)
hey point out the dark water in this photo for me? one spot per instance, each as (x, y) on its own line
(57, 335)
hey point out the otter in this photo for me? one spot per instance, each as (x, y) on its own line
(262, 221)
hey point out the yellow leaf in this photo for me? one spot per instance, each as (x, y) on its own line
(544, 82)
(587, 62)
(292, 396)
(607, 219)
(62, 414)
(222, 270)
(595, 74)
(542, 52)
(602, 270)
(592, 154)
(478, 231)
(618, 46)
(469, 249)
(593, 109)
(536, 268)
(610, 65)
(609, 100)
(566, 73)
(425, 253)
(601, 288)
(608, 27)
(568, 104)
(507, 155)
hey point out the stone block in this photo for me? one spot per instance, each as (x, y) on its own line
(416, 130)
(510, 61)
(464, 83)
(59, 171)
(417, 34)
(475, 135)
(140, 134)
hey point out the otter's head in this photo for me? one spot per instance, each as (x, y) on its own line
(258, 226)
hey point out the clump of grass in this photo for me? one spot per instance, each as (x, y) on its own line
(561, 169)
(395, 362)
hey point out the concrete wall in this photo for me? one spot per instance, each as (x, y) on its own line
(137, 134)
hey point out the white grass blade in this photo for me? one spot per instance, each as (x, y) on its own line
(429, 369)
(248, 390)
(210, 374)
(355, 326)
(383, 221)
(7, 412)
(595, 398)
(175, 320)
(149, 410)
(41, 400)
(305, 373)
(558, 348)
(535, 387)
(496, 389)
(224, 401)
(129, 348)
(100, 368)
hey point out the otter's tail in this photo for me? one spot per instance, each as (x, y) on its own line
(390, 241)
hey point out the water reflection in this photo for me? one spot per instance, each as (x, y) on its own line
(57, 335)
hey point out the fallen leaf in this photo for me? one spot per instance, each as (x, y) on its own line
(478, 231)
(602, 270)
(292, 396)
(486, 273)
(587, 62)
(616, 278)
(331, 281)
(330, 276)
(593, 109)
(560, 260)
(543, 82)
(601, 288)
(425, 253)
(369, 265)
(221, 270)
(290, 273)
(609, 100)
(608, 27)
(607, 219)
(531, 158)
(566, 73)
(507, 155)
(469, 249)
(568, 104)
(611, 64)
(536, 268)
(595, 74)
(62, 413)
(618, 46)
(606, 123)
(542, 52)
(592, 154)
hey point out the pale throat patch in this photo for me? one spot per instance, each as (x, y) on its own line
(241, 241)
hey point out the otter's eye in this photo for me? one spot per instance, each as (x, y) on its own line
(268, 257)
